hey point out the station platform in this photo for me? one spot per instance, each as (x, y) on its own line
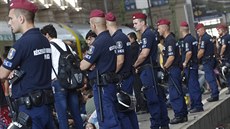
(216, 115)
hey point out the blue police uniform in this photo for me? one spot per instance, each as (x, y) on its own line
(32, 54)
(225, 40)
(153, 93)
(208, 62)
(176, 95)
(127, 119)
(191, 71)
(101, 53)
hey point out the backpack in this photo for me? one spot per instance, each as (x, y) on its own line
(69, 73)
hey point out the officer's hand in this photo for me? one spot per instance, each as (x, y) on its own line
(11, 75)
(164, 68)
(220, 62)
(184, 65)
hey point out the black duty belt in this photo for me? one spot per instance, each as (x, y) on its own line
(36, 98)
(125, 75)
(208, 58)
(144, 67)
(106, 78)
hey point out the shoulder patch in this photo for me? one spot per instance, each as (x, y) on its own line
(222, 41)
(144, 40)
(169, 48)
(119, 44)
(91, 50)
(186, 45)
(11, 53)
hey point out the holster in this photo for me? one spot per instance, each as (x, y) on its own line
(125, 75)
(147, 66)
(110, 77)
(36, 98)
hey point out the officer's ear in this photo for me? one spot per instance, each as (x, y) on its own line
(21, 19)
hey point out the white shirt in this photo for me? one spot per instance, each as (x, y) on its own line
(56, 54)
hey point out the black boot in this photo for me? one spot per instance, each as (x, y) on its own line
(165, 127)
(213, 99)
(177, 120)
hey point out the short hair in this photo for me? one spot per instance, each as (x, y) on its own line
(50, 30)
(28, 15)
(132, 35)
(90, 34)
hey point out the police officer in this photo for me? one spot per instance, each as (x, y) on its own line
(64, 99)
(205, 54)
(224, 48)
(124, 69)
(171, 62)
(101, 54)
(32, 55)
(144, 63)
(190, 65)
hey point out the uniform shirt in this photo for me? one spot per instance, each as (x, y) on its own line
(56, 54)
(225, 40)
(101, 53)
(32, 54)
(123, 48)
(190, 44)
(207, 44)
(171, 48)
(149, 40)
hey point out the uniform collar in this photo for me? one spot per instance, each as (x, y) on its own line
(118, 31)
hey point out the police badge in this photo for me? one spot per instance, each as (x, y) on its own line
(186, 45)
(91, 50)
(222, 41)
(169, 48)
(119, 44)
(11, 53)
(144, 40)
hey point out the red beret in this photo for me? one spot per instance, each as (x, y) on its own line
(23, 4)
(184, 24)
(139, 16)
(198, 26)
(110, 17)
(222, 26)
(163, 22)
(97, 13)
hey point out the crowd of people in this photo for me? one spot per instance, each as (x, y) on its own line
(119, 70)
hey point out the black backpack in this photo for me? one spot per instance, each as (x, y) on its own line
(69, 73)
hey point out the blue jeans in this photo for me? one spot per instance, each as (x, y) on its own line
(66, 99)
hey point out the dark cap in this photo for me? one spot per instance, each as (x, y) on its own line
(139, 16)
(23, 4)
(110, 17)
(222, 26)
(163, 22)
(97, 13)
(184, 24)
(200, 25)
